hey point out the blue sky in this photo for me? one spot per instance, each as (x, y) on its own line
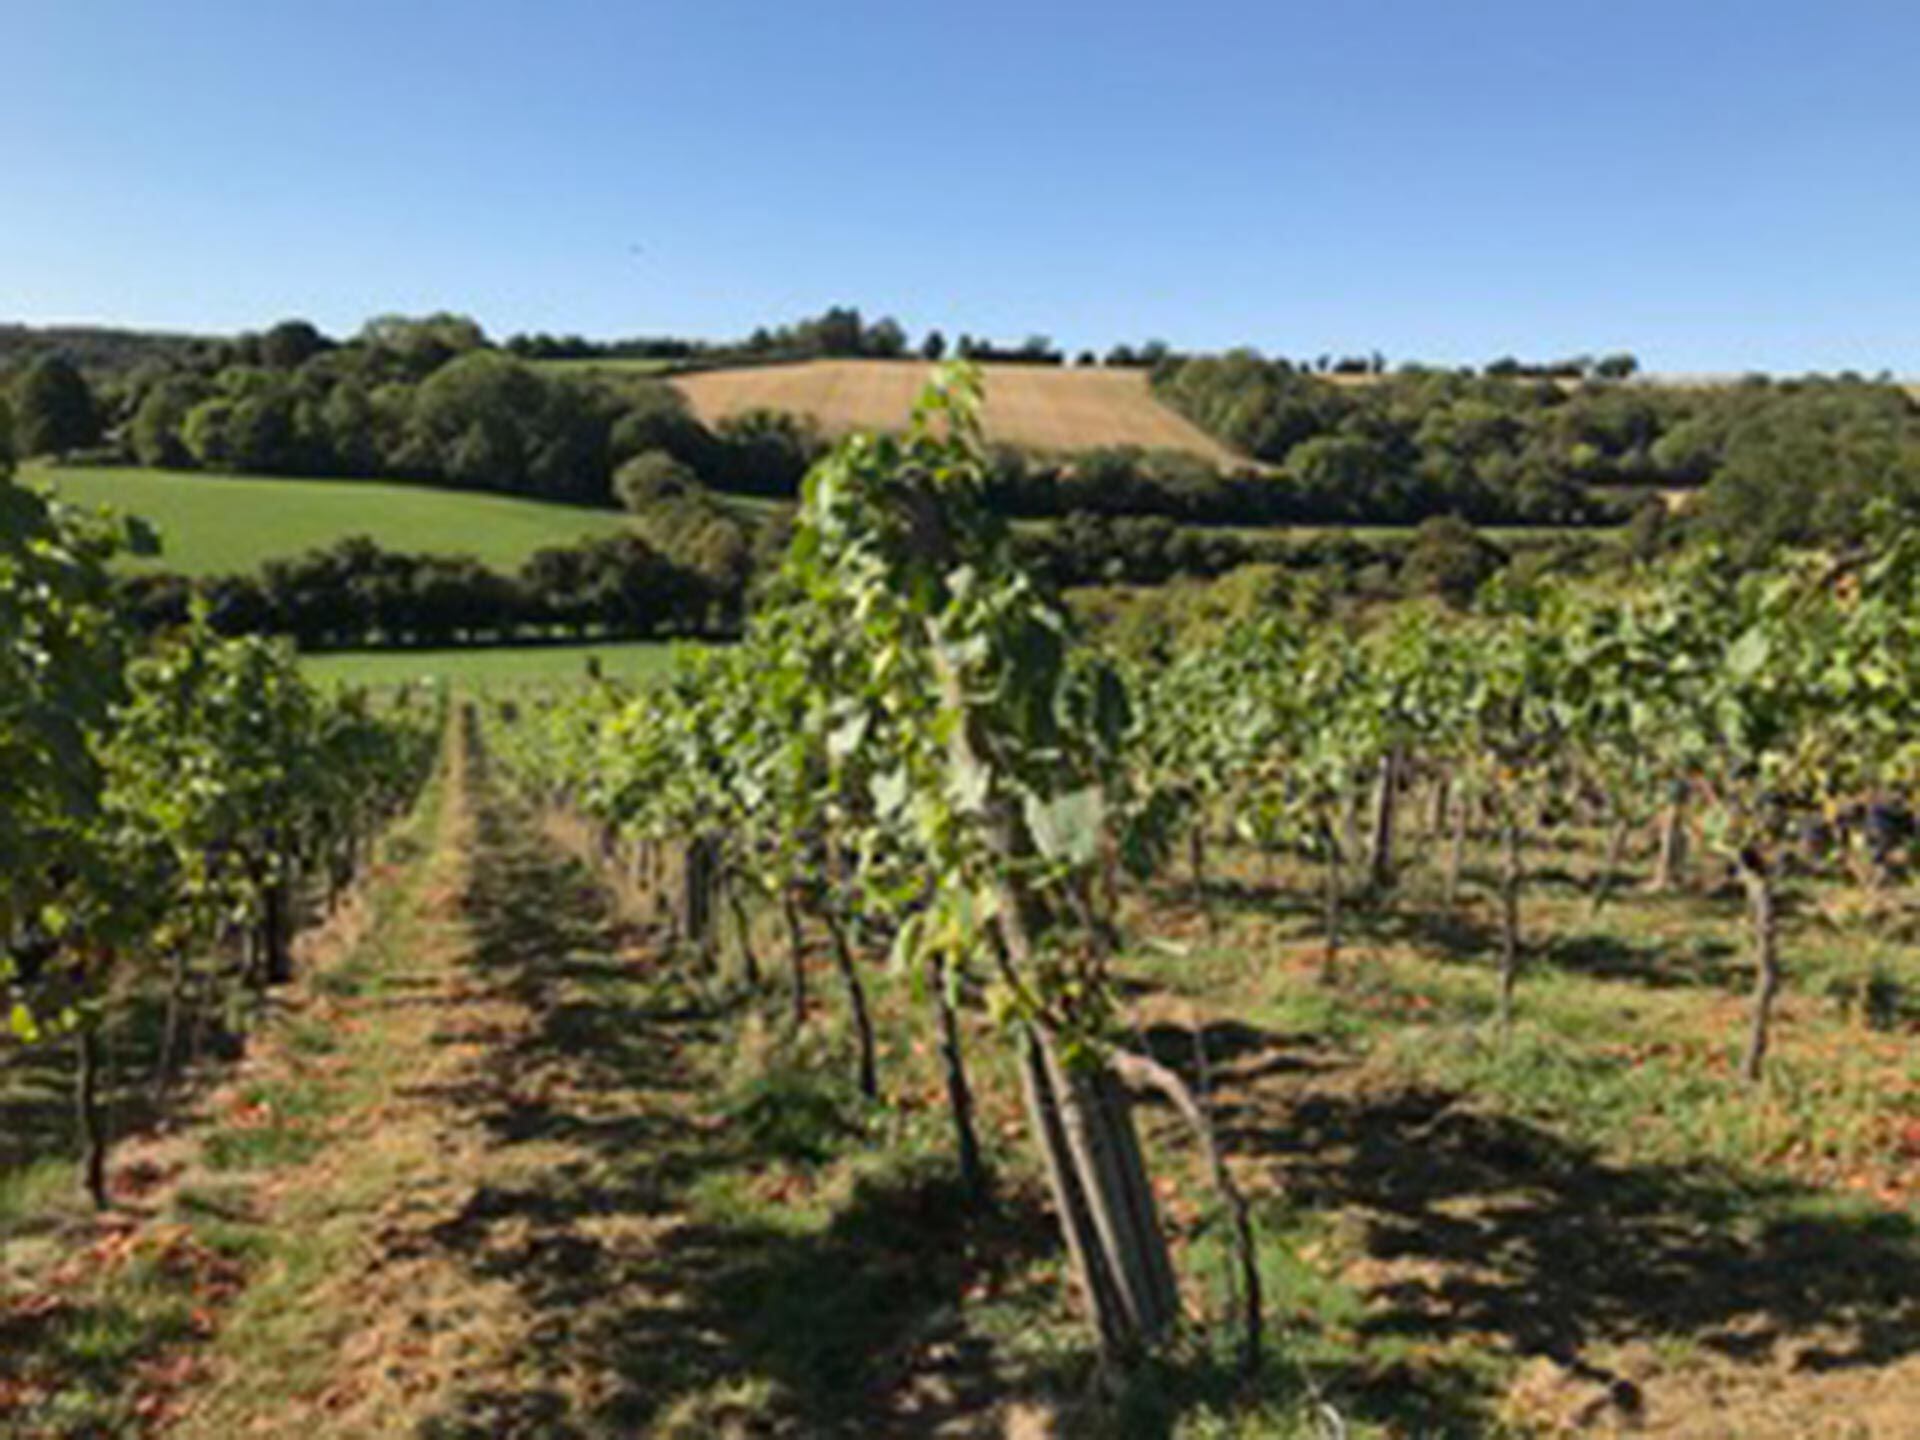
(1718, 186)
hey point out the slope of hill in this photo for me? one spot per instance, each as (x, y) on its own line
(1043, 407)
(213, 524)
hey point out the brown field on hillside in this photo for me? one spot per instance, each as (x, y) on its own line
(1037, 406)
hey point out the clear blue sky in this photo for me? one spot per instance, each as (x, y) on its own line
(1718, 186)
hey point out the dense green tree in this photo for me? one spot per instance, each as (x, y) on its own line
(204, 432)
(621, 584)
(53, 408)
(488, 421)
(1811, 467)
(456, 597)
(1449, 558)
(655, 416)
(839, 331)
(155, 434)
(260, 433)
(423, 345)
(352, 429)
(1338, 473)
(651, 478)
(290, 344)
(885, 340)
(243, 605)
(765, 452)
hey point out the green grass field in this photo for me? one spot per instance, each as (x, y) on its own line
(217, 524)
(487, 668)
(214, 524)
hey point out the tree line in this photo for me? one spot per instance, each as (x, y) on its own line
(430, 399)
(1443, 556)
(354, 593)
(425, 400)
(1328, 486)
(1779, 462)
(839, 332)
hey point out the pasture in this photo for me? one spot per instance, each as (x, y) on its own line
(1043, 407)
(488, 668)
(220, 524)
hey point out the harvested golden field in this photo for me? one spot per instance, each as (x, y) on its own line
(1037, 406)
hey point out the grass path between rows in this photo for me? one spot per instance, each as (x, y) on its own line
(359, 1321)
(530, 1211)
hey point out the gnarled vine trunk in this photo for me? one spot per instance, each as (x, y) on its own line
(1330, 958)
(1350, 818)
(1197, 861)
(973, 1170)
(1510, 880)
(1380, 849)
(91, 1115)
(1670, 855)
(1609, 865)
(1457, 846)
(1756, 876)
(1437, 799)
(276, 928)
(166, 1064)
(1146, 1071)
(743, 932)
(796, 956)
(869, 1074)
(699, 877)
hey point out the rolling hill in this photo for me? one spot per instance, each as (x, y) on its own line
(214, 524)
(1044, 407)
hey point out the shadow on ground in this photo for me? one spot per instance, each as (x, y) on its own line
(37, 1082)
(725, 1318)
(1554, 1249)
(1477, 1229)
(1706, 963)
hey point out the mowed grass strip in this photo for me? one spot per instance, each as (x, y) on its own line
(110, 1322)
(1046, 407)
(505, 667)
(219, 524)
